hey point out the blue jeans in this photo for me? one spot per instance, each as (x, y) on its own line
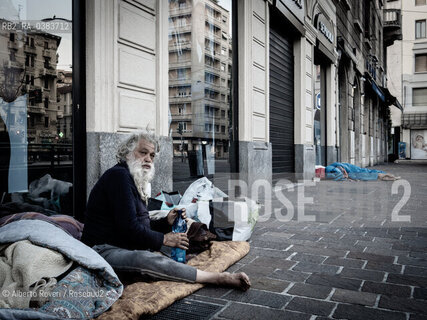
(146, 263)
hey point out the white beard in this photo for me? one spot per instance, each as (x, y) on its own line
(141, 176)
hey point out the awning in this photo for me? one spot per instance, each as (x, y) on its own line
(378, 91)
(390, 99)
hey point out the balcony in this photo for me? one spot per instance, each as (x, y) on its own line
(392, 26)
(13, 45)
(36, 109)
(180, 99)
(179, 46)
(47, 72)
(181, 117)
(180, 82)
(30, 49)
(180, 11)
(179, 29)
(48, 53)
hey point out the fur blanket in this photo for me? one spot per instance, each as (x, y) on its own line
(147, 298)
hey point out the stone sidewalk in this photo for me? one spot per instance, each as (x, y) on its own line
(352, 262)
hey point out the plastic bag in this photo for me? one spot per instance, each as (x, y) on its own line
(201, 189)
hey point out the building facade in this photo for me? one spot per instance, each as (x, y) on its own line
(363, 97)
(407, 75)
(257, 90)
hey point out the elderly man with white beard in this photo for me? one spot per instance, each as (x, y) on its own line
(118, 226)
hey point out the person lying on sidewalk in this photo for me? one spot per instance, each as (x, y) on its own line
(118, 226)
(341, 171)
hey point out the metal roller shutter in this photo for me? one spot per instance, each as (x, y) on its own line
(281, 102)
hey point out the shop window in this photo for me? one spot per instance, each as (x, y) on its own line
(420, 29)
(419, 97)
(421, 62)
(209, 91)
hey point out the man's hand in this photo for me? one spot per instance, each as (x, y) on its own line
(176, 240)
(174, 213)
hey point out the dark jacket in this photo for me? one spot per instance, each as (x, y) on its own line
(116, 214)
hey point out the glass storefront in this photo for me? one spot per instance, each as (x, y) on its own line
(200, 82)
(36, 103)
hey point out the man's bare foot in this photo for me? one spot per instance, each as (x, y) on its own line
(235, 280)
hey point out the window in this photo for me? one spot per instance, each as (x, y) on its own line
(12, 37)
(46, 45)
(421, 62)
(12, 56)
(420, 29)
(46, 103)
(32, 43)
(419, 97)
(46, 122)
(420, 2)
(183, 126)
(27, 60)
(46, 83)
(209, 79)
(46, 62)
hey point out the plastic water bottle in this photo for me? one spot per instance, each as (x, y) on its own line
(179, 226)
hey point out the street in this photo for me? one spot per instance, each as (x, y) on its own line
(352, 262)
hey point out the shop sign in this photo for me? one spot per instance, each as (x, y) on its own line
(296, 7)
(328, 34)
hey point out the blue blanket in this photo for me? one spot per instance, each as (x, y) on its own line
(354, 172)
(86, 292)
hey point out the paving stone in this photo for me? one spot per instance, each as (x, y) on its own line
(238, 310)
(402, 304)
(315, 268)
(257, 271)
(387, 289)
(354, 297)
(310, 306)
(334, 281)
(363, 274)
(370, 256)
(352, 263)
(289, 275)
(318, 251)
(254, 296)
(415, 271)
(308, 258)
(382, 245)
(264, 252)
(355, 312)
(412, 261)
(311, 291)
(306, 236)
(407, 280)
(387, 267)
(269, 284)
(420, 293)
(270, 244)
(270, 262)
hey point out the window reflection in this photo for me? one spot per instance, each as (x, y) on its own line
(199, 88)
(35, 98)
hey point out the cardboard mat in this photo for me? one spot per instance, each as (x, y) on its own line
(143, 298)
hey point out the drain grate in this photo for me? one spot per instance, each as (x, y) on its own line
(187, 309)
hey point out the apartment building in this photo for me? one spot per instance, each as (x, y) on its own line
(199, 77)
(407, 74)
